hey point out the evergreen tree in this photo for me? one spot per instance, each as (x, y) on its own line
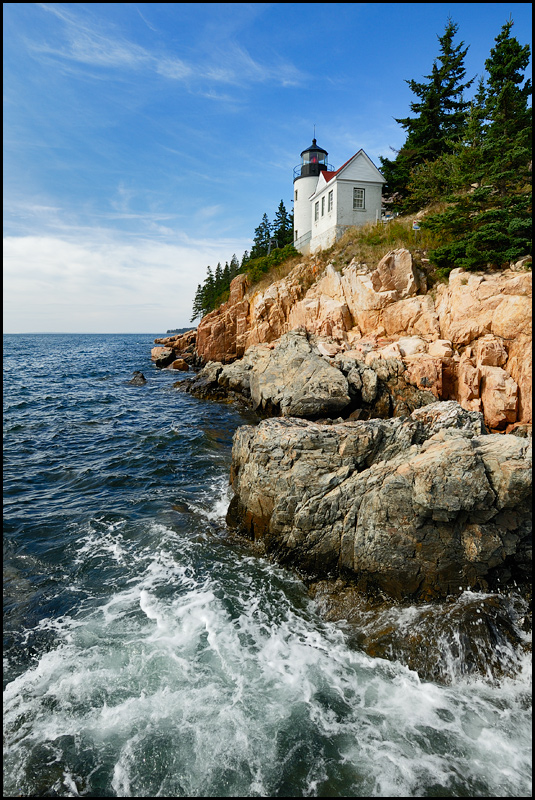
(262, 235)
(282, 226)
(507, 143)
(198, 308)
(226, 276)
(218, 280)
(208, 290)
(491, 223)
(453, 172)
(440, 114)
(234, 267)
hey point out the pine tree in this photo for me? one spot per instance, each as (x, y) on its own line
(226, 276)
(455, 171)
(218, 280)
(508, 140)
(209, 293)
(234, 267)
(282, 226)
(197, 309)
(440, 114)
(491, 223)
(262, 235)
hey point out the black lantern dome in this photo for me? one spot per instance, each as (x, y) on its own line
(313, 161)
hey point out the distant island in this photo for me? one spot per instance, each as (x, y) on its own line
(179, 330)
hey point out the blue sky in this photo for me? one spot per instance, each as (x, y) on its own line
(144, 142)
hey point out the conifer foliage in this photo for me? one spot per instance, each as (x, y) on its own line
(272, 242)
(488, 219)
(475, 157)
(440, 113)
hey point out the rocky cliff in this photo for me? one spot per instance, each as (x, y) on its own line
(469, 340)
(386, 461)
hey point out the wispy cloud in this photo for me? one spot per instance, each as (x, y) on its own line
(230, 63)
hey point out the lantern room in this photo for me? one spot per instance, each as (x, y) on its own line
(313, 161)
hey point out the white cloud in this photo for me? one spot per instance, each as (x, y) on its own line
(104, 284)
(229, 63)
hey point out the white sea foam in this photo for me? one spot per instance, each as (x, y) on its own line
(245, 696)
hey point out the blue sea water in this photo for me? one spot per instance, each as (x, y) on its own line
(146, 653)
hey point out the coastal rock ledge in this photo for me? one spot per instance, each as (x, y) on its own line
(417, 507)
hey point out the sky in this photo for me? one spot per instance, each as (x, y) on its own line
(144, 142)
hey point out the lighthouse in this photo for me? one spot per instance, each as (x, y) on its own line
(327, 201)
(306, 174)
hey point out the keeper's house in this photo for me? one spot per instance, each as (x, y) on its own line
(328, 201)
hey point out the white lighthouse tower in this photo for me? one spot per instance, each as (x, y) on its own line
(306, 174)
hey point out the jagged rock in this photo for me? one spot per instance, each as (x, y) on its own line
(290, 377)
(445, 342)
(418, 507)
(491, 314)
(138, 380)
(295, 379)
(162, 356)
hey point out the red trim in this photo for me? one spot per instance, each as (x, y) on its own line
(329, 175)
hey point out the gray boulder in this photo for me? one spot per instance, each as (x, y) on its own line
(290, 378)
(296, 380)
(418, 507)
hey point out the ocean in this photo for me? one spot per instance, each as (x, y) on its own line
(148, 653)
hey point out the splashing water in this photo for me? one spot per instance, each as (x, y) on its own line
(147, 654)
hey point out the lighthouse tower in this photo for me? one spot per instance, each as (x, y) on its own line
(306, 174)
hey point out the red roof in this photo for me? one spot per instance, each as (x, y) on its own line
(329, 175)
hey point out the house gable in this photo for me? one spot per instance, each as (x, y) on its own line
(359, 167)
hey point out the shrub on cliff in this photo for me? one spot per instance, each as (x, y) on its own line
(257, 268)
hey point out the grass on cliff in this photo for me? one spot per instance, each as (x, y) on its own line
(366, 244)
(369, 243)
(262, 272)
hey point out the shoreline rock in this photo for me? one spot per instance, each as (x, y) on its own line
(291, 377)
(414, 493)
(410, 494)
(417, 507)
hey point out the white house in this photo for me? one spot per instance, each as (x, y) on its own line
(328, 201)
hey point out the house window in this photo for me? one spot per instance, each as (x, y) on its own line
(322, 206)
(330, 201)
(358, 199)
(296, 194)
(316, 212)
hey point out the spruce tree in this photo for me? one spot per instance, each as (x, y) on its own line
(226, 276)
(234, 267)
(490, 222)
(282, 226)
(440, 114)
(218, 280)
(262, 235)
(197, 309)
(208, 291)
